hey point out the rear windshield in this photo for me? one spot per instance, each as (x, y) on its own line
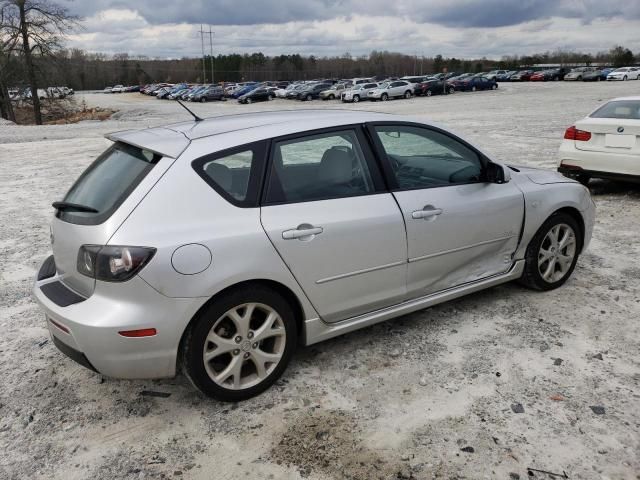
(107, 183)
(626, 109)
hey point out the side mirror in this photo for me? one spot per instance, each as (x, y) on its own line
(496, 173)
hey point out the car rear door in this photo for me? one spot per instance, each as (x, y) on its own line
(459, 227)
(326, 211)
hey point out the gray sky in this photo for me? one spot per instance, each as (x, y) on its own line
(460, 28)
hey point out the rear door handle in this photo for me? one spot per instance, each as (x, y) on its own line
(428, 211)
(302, 232)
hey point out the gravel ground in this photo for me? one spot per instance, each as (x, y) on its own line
(487, 386)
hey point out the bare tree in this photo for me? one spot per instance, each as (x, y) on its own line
(41, 24)
(8, 44)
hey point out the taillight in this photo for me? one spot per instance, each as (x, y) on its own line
(572, 133)
(112, 263)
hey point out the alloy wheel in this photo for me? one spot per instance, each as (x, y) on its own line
(557, 252)
(244, 346)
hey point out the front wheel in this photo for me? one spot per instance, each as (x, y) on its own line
(356, 98)
(384, 97)
(552, 253)
(624, 79)
(407, 94)
(309, 98)
(240, 344)
(473, 89)
(452, 90)
(428, 93)
(248, 100)
(494, 86)
(332, 97)
(203, 100)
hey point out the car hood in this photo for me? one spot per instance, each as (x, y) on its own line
(540, 176)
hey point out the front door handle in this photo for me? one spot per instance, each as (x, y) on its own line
(302, 232)
(428, 212)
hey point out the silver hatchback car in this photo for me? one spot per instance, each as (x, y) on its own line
(218, 246)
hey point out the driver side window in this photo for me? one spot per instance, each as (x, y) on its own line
(318, 167)
(423, 158)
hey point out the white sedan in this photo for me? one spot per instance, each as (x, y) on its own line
(625, 73)
(604, 144)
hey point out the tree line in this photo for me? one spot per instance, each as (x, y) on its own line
(32, 54)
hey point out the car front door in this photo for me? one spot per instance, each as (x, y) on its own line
(327, 213)
(460, 228)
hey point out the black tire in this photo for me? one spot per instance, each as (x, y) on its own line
(384, 97)
(452, 90)
(531, 276)
(332, 97)
(494, 86)
(428, 93)
(248, 100)
(203, 100)
(473, 89)
(624, 79)
(308, 98)
(356, 98)
(195, 338)
(407, 94)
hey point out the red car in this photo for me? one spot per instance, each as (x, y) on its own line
(537, 77)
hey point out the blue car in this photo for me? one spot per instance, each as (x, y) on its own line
(246, 89)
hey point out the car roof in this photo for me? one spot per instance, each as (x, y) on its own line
(634, 97)
(171, 140)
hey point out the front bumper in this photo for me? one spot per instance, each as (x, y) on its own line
(87, 330)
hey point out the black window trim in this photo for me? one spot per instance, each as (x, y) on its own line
(377, 176)
(385, 164)
(256, 172)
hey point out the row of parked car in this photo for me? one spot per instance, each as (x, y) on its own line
(585, 74)
(372, 89)
(25, 93)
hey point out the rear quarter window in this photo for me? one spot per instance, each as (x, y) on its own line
(107, 183)
(235, 173)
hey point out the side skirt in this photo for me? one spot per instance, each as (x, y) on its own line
(317, 330)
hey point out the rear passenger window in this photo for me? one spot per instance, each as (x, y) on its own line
(318, 167)
(234, 174)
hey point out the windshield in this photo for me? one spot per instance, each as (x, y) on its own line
(107, 183)
(624, 109)
(384, 85)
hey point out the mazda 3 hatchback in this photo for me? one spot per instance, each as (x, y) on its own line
(217, 246)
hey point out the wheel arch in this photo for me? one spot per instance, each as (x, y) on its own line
(280, 288)
(577, 216)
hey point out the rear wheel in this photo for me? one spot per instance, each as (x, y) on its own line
(240, 344)
(552, 253)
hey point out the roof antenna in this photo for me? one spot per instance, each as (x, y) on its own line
(196, 117)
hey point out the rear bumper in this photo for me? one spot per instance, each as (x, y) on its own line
(599, 163)
(87, 330)
(572, 172)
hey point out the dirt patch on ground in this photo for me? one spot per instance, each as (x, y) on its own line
(330, 443)
(61, 112)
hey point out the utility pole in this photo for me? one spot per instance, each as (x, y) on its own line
(211, 51)
(204, 76)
